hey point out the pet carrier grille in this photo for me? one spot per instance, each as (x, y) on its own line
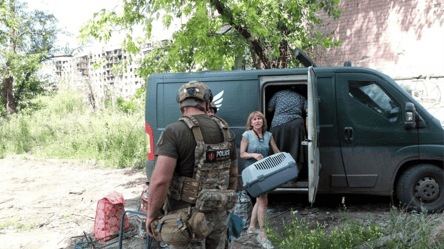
(270, 162)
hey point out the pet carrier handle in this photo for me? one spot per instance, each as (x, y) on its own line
(148, 238)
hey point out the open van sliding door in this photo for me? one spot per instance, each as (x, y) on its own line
(313, 136)
(313, 131)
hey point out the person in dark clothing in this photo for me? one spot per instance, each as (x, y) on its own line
(287, 125)
(176, 159)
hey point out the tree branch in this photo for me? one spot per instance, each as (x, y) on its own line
(59, 56)
(64, 55)
(255, 42)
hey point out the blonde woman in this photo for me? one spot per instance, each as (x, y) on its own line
(255, 144)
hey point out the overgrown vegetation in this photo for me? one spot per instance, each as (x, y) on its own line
(404, 230)
(61, 126)
(27, 39)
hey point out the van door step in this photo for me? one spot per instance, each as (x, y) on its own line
(291, 184)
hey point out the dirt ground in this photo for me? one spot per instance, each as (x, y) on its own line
(60, 199)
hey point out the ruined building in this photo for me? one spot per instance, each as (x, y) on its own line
(102, 83)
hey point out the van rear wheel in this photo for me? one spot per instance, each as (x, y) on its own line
(422, 186)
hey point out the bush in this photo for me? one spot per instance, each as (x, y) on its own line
(135, 104)
(65, 128)
(126, 106)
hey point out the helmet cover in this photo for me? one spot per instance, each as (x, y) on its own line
(196, 90)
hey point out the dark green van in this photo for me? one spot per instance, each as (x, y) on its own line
(366, 134)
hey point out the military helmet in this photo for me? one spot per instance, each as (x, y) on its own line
(194, 89)
(189, 92)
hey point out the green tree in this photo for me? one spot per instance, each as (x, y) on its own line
(27, 39)
(264, 33)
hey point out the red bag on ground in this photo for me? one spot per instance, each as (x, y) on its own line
(108, 216)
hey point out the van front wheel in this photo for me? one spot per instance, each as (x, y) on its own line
(422, 186)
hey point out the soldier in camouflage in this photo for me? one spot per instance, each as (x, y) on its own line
(177, 179)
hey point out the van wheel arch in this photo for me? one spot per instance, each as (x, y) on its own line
(421, 186)
(406, 166)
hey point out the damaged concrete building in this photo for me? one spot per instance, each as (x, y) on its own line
(78, 71)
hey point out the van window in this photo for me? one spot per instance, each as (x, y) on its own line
(372, 96)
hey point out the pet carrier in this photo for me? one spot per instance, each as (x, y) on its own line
(269, 173)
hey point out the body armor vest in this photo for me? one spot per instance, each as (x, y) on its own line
(211, 165)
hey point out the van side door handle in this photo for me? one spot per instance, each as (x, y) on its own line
(348, 133)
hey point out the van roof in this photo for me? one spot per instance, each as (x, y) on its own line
(208, 76)
(254, 74)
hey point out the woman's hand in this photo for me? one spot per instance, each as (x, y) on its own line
(258, 156)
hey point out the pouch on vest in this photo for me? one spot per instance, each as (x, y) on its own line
(171, 229)
(214, 200)
(199, 226)
(180, 227)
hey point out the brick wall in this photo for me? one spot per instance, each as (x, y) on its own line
(402, 38)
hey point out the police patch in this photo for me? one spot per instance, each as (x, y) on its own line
(214, 155)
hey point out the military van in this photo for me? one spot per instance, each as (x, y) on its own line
(366, 134)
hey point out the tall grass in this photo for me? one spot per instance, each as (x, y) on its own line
(403, 230)
(65, 128)
(413, 230)
(350, 234)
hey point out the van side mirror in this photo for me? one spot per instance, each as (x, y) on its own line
(410, 119)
